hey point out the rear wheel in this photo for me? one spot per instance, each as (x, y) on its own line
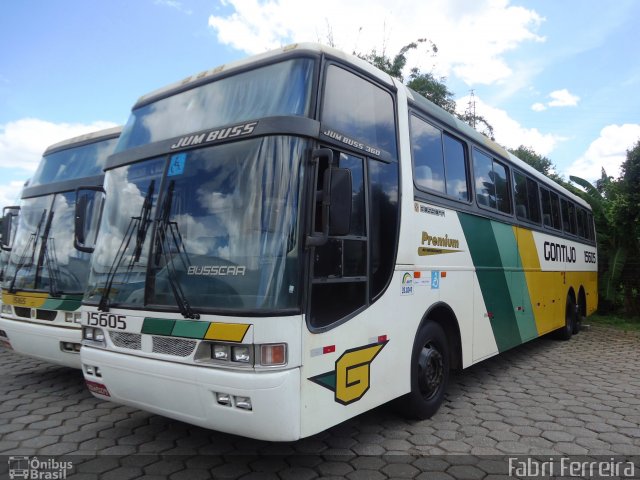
(429, 373)
(565, 332)
(581, 313)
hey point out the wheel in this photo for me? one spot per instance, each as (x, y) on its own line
(565, 332)
(429, 373)
(581, 315)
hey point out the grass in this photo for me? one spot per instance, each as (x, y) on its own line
(626, 324)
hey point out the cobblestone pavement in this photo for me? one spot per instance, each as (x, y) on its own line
(545, 398)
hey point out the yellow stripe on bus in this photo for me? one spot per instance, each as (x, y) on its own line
(226, 332)
(548, 290)
(25, 299)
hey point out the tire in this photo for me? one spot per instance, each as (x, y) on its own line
(430, 361)
(581, 315)
(564, 333)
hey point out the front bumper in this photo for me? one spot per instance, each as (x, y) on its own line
(188, 393)
(42, 341)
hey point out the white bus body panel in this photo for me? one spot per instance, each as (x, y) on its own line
(188, 393)
(42, 341)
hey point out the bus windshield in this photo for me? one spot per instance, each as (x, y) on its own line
(283, 88)
(215, 228)
(44, 257)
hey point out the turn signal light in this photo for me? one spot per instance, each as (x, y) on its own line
(273, 354)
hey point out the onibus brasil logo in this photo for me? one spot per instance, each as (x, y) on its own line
(34, 468)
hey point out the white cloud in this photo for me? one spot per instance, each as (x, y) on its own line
(174, 4)
(23, 141)
(509, 132)
(608, 151)
(10, 193)
(472, 37)
(559, 98)
(562, 98)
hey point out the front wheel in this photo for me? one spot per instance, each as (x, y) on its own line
(429, 373)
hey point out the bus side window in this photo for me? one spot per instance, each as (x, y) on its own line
(492, 182)
(456, 168)
(428, 159)
(439, 160)
(568, 217)
(526, 196)
(556, 222)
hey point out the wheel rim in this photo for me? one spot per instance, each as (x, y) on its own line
(430, 371)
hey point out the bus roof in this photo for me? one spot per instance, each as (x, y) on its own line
(384, 78)
(312, 48)
(84, 139)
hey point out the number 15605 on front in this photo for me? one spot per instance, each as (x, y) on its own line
(110, 320)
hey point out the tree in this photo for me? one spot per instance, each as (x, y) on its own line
(432, 89)
(426, 84)
(625, 213)
(537, 161)
(616, 209)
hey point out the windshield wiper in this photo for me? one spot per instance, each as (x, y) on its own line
(139, 226)
(30, 245)
(51, 262)
(44, 258)
(163, 247)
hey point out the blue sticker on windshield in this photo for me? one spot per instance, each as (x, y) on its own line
(177, 164)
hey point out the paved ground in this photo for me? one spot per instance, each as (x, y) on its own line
(574, 398)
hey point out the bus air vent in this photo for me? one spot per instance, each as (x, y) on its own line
(46, 315)
(132, 341)
(177, 347)
(22, 312)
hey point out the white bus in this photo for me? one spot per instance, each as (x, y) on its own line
(46, 273)
(294, 239)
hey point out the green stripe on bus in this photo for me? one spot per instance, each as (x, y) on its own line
(69, 303)
(190, 329)
(516, 280)
(493, 279)
(158, 326)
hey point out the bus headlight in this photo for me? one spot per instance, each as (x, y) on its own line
(6, 309)
(241, 354)
(72, 317)
(221, 352)
(93, 336)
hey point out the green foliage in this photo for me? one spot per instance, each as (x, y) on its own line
(539, 162)
(626, 324)
(616, 209)
(426, 84)
(433, 89)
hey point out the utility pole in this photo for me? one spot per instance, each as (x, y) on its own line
(470, 113)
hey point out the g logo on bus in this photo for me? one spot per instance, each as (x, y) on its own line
(351, 378)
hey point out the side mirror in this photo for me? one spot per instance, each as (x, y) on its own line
(9, 227)
(89, 205)
(341, 201)
(334, 199)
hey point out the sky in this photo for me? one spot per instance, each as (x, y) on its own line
(560, 77)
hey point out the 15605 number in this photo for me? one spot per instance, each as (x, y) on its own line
(96, 319)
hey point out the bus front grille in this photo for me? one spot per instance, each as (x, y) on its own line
(173, 346)
(132, 341)
(25, 312)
